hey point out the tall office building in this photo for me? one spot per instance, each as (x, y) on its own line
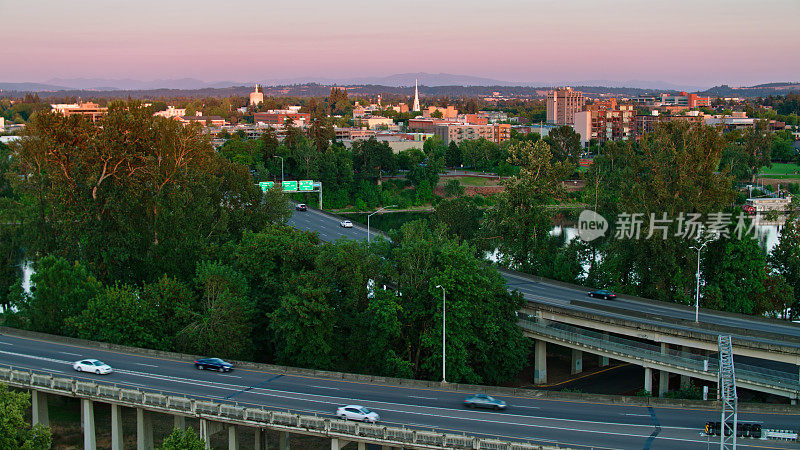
(562, 104)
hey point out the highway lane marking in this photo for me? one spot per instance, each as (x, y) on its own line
(73, 354)
(636, 415)
(146, 365)
(325, 387)
(426, 398)
(526, 407)
(6, 343)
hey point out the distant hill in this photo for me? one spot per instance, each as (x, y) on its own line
(30, 87)
(761, 90)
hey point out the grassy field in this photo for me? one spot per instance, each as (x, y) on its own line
(781, 170)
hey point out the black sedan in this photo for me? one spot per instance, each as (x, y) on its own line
(602, 293)
(213, 364)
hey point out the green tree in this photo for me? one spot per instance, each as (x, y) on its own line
(224, 325)
(183, 440)
(59, 290)
(484, 343)
(520, 220)
(461, 216)
(453, 155)
(453, 188)
(565, 143)
(785, 260)
(14, 432)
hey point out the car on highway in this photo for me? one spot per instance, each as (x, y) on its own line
(484, 401)
(602, 293)
(357, 412)
(92, 366)
(213, 364)
(346, 224)
(300, 207)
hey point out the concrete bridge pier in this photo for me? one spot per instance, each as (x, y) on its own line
(338, 444)
(686, 381)
(577, 362)
(208, 428)
(144, 430)
(540, 362)
(663, 375)
(180, 422)
(604, 359)
(283, 440)
(233, 437)
(117, 439)
(260, 439)
(39, 413)
(87, 419)
(648, 380)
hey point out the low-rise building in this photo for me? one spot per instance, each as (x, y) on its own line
(457, 132)
(171, 112)
(447, 113)
(89, 110)
(279, 116)
(210, 121)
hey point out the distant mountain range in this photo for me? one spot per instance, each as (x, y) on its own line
(430, 84)
(396, 80)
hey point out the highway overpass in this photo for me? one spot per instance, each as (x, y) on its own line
(667, 325)
(255, 397)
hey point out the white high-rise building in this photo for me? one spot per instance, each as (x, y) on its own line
(416, 97)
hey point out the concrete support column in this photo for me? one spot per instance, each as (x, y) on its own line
(144, 430)
(117, 439)
(793, 402)
(362, 446)
(663, 376)
(338, 444)
(180, 422)
(604, 359)
(87, 410)
(260, 439)
(686, 380)
(577, 362)
(283, 440)
(207, 429)
(233, 437)
(39, 413)
(540, 362)
(648, 380)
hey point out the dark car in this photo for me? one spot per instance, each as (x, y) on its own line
(213, 364)
(602, 293)
(484, 401)
(301, 207)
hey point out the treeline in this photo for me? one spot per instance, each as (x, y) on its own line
(140, 234)
(661, 196)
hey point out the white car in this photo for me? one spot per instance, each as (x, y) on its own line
(346, 224)
(93, 366)
(357, 412)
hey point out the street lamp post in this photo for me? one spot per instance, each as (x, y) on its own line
(444, 333)
(697, 289)
(376, 212)
(281, 157)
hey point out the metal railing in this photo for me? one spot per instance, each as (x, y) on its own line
(254, 416)
(652, 352)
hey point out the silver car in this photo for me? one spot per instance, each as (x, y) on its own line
(357, 412)
(484, 401)
(346, 224)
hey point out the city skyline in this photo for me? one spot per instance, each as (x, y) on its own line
(702, 43)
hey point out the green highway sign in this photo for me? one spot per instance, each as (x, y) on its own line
(289, 186)
(306, 185)
(266, 185)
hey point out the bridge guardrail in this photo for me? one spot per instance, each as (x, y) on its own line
(251, 416)
(643, 350)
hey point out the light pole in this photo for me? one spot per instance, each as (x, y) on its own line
(697, 289)
(376, 212)
(281, 157)
(444, 333)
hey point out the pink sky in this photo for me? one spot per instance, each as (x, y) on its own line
(693, 42)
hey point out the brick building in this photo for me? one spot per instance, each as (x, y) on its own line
(562, 104)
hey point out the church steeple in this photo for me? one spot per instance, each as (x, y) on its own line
(416, 96)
